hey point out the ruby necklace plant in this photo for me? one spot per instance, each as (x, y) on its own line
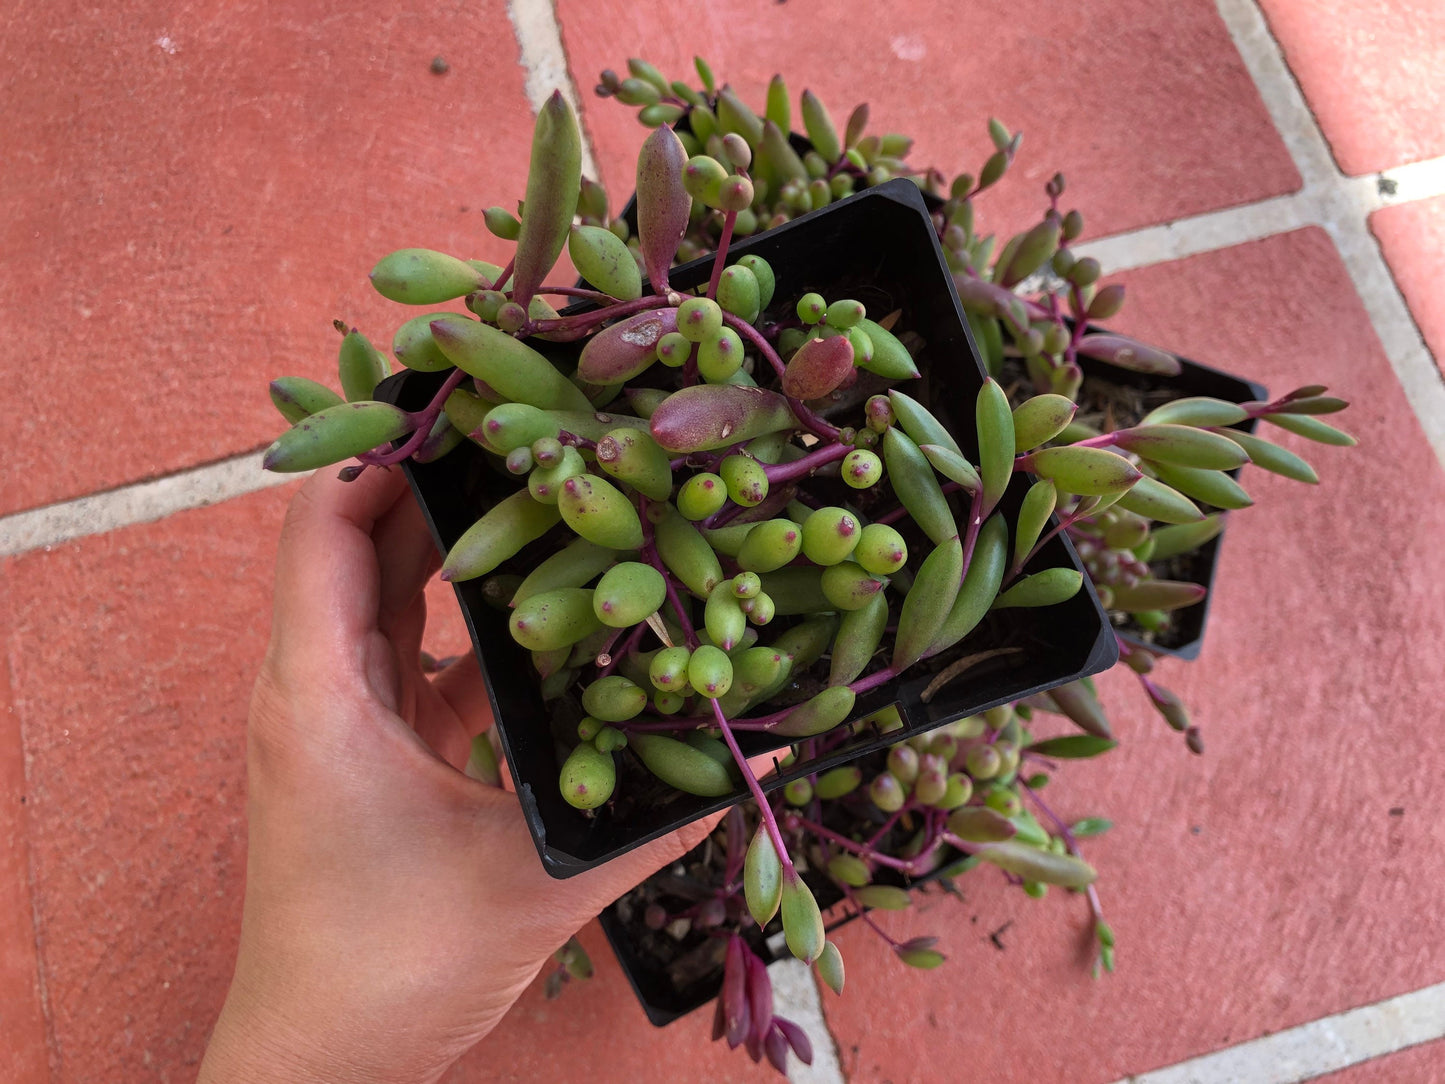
(725, 496)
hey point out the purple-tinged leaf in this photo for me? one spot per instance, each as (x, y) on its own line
(554, 180)
(1123, 353)
(663, 204)
(797, 1039)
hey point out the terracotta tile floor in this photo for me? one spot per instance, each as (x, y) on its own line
(190, 199)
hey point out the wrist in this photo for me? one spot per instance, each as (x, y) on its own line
(254, 1041)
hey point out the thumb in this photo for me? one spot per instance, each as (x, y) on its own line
(603, 885)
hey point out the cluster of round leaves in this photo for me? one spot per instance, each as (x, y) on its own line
(724, 137)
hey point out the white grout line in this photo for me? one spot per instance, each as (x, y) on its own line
(795, 997)
(1321, 1046)
(140, 503)
(1341, 205)
(544, 60)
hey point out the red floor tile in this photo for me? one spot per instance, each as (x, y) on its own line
(1145, 106)
(24, 1058)
(596, 1031)
(132, 701)
(1371, 75)
(133, 655)
(202, 193)
(1283, 876)
(1423, 1064)
(1412, 236)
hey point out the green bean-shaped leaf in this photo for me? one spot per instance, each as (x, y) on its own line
(1032, 864)
(830, 967)
(763, 877)
(334, 434)
(859, 634)
(917, 487)
(554, 619)
(361, 366)
(1211, 486)
(1072, 746)
(802, 921)
(819, 715)
(1088, 472)
(419, 276)
(633, 457)
(1183, 445)
(1273, 458)
(602, 258)
(1040, 419)
(1196, 410)
(575, 565)
(1078, 702)
(819, 126)
(884, 897)
(687, 554)
(1046, 588)
(733, 115)
(680, 765)
(1184, 537)
(599, 512)
(1310, 428)
(509, 365)
(995, 442)
(554, 180)
(510, 525)
(776, 159)
(980, 824)
(1156, 595)
(952, 466)
(1038, 505)
(980, 585)
(927, 604)
(297, 397)
(920, 425)
(891, 359)
(1154, 499)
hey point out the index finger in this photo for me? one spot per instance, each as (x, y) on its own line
(327, 574)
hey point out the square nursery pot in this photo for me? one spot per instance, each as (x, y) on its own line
(673, 977)
(1184, 636)
(878, 247)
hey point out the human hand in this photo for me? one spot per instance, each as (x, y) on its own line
(395, 908)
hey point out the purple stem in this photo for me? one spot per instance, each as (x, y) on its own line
(729, 219)
(1069, 841)
(859, 687)
(424, 420)
(765, 810)
(798, 468)
(909, 866)
(577, 291)
(504, 275)
(628, 647)
(805, 416)
(585, 321)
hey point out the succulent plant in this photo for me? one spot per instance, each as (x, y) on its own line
(747, 452)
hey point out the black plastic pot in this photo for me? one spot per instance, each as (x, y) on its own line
(880, 248)
(663, 1001)
(1184, 637)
